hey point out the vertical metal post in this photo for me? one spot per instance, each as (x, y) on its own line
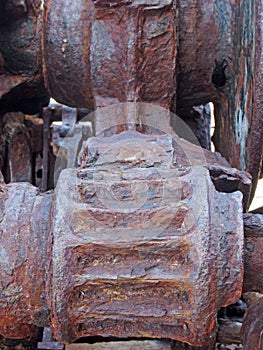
(46, 142)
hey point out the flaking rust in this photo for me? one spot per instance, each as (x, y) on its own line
(24, 238)
(135, 243)
(177, 55)
(142, 247)
(172, 54)
(142, 251)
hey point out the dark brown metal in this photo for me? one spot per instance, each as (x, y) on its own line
(21, 65)
(18, 151)
(252, 328)
(229, 180)
(46, 148)
(229, 332)
(224, 67)
(253, 278)
(255, 141)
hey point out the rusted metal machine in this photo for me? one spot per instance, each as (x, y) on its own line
(137, 241)
(177, 55)
(156, 262)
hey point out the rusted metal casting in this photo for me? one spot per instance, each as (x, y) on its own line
(173, 54)
(136, 242)
(160, 266)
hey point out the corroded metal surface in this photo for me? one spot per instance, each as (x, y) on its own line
(97, 53)
(18, 150)
(224, 67)
(252, 328)
(253, 278)
(21, 142)
(254, 147)
(124, 259)
(227, 179)
(160, 52)
(21, 84)
(24, 218)
(102, 49)
(138, 246)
